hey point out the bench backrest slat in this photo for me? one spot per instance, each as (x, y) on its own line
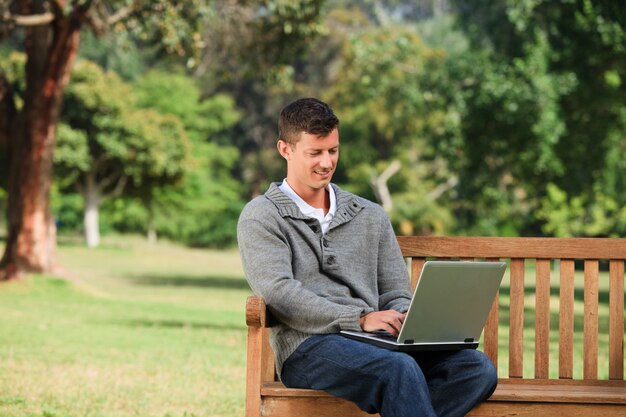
(566, 319)
(490, 339)
(268, 371)
(590, 330)
(516, 319)
(616, 320)
(542, 319)
(416, 269)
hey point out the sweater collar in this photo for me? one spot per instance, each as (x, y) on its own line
(348, 205)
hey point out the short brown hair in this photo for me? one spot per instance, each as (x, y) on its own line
(308, 115)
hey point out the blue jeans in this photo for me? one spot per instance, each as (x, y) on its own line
(394, 384)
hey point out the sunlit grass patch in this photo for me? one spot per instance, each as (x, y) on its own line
(137, 330)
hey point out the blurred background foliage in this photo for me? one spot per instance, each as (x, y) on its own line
(460, 117)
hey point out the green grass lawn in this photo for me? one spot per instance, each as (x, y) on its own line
(159, 330)
(138, 330)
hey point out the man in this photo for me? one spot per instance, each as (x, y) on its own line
(326, 260)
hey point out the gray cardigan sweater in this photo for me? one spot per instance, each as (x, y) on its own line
(314, 283)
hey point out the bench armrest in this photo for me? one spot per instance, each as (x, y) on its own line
(256, 312)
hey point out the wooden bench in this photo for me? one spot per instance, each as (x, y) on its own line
(532, 263)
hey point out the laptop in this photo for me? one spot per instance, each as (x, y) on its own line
(448, 310)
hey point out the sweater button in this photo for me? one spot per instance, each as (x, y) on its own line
(331, 260)
(325, 243)
(314, 228)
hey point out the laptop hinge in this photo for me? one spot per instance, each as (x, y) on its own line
(409, 342)
(469, 340)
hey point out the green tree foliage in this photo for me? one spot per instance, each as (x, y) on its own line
(200, 211)
(498, 118)
(179, 95)
(197, 202)
(545, 105)
(116, 52)
(203, 208)
(397, 131)
(157, 31)
(107, 144)
(172, 28)
(51, 42)
(257, 52)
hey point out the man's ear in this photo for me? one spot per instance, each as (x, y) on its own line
(284, 149)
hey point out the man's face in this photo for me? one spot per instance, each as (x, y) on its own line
(311, 162)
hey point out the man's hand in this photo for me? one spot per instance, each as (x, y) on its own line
(388, 320)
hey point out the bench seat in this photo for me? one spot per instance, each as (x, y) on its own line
(529, 390)
(523, 397)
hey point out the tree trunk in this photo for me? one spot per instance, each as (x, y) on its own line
(50, 50)
(91, 196)
(152, 233)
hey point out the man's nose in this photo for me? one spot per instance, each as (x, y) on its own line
(326, 161)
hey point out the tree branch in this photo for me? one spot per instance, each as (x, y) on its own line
(122, 13)
(379, 184)
(32, 20)
(442, 188)
(95, 20)
(99, 20)
(119, 187)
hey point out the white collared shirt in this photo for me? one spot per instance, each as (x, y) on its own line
(309, 210)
